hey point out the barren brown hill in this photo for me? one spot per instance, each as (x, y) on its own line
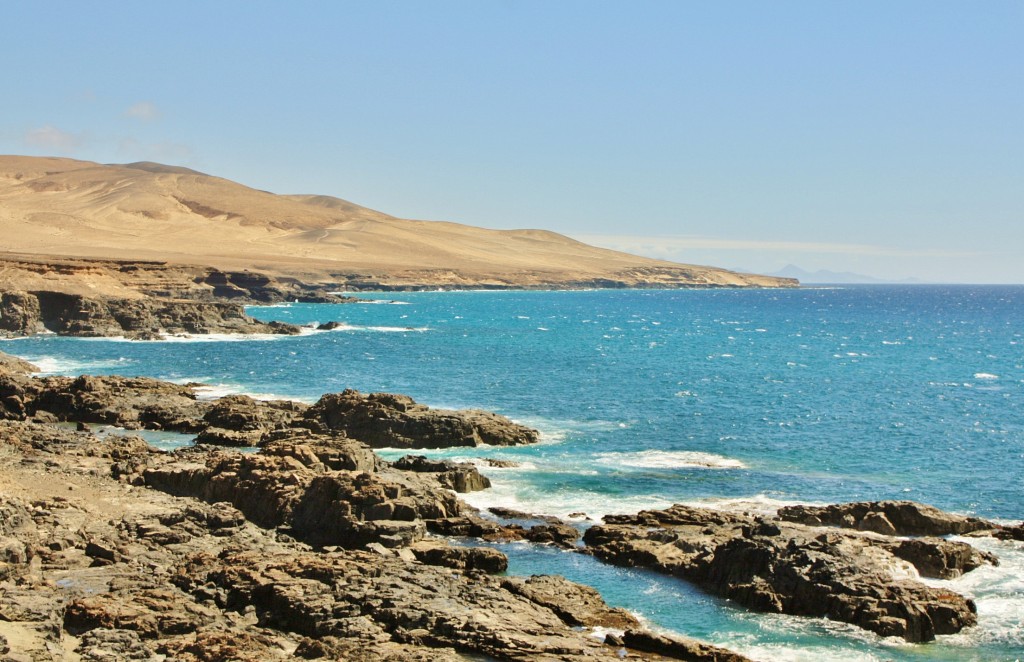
(63, 208)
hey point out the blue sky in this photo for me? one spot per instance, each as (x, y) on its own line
(884, 138)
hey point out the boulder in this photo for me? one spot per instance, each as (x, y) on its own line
(460, 558)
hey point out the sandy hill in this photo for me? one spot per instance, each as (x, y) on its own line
(147, 211)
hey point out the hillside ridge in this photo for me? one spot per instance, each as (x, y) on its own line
(144, 211)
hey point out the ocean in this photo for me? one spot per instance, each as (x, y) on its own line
(736, 399)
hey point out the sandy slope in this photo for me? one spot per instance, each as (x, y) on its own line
(147, 211)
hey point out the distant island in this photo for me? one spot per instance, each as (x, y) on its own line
(823, 276)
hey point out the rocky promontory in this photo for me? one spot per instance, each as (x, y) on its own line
(312, 548)
(869, 579)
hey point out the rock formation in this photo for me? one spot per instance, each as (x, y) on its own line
(27, 313)
(313, 548)
(379, 419)
(385, 420)
(891, 518)
(317, 548)
(776, 566)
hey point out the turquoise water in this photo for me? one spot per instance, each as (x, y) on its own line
(740, 399)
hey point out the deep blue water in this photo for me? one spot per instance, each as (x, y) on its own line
(742, 399)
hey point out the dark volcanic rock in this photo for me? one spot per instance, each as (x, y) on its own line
(245, 414)
(128, 402)
(902, 518)
(320, 506)
(777, 566)
(96, 568)
(461, 558)
(385, 420)
(462, 477)
(20, 314)
(678, 648)
(575, 604)
(25, 313)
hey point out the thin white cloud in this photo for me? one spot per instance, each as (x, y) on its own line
(50, 137)
(672, 244)
(143, 110)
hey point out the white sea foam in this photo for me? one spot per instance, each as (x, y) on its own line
(212, 391)
(655, 459)
(214, 337)
(507, 492)
(52, 365)
(998, 592)
(379, 329)
(985, 375)
(759, 504)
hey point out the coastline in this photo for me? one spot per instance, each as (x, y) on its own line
(339, 457)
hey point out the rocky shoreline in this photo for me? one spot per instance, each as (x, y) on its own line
(315, 547)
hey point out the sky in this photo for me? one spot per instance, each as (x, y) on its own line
(884, 138)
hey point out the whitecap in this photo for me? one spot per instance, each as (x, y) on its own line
(52, 365)
(758, 504)
(208, 391)
(998, 592)
(985, 375)
(507, 492)
(655, 459)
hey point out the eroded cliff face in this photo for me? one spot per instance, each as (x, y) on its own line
(28, 313)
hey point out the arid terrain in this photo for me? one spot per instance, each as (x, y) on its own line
(61, 212)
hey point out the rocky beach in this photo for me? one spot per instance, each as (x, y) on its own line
(313, 546)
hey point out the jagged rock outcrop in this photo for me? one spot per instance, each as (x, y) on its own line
(893, 518)
(677, 647)
(20, 314)
(27, 313)
(385, 420)
(237, 420)
(95, 568)
(290, 486)
(128, 402)
(460, 476)
(777, 566)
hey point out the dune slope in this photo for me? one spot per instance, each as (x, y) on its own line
(148, 211)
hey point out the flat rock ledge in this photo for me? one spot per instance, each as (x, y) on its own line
(774, 565)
